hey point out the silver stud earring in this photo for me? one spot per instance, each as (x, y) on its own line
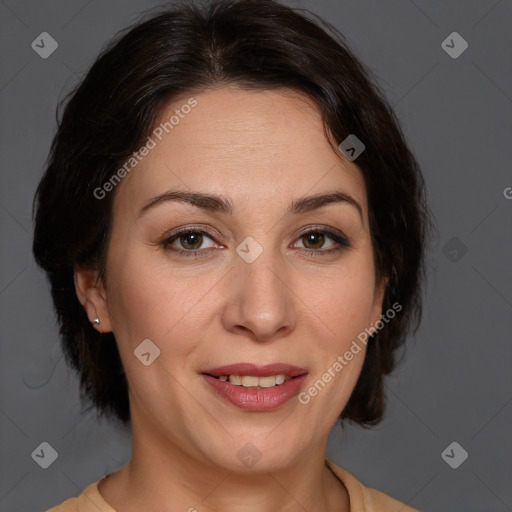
(95, 321)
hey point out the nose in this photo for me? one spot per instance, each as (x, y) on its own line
(259, 301)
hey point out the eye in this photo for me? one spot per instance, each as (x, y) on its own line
(314, 241)
(189, 242)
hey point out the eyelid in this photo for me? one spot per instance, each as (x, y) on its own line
(322, 229)
(198, 228)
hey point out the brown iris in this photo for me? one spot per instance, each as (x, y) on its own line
(315, 238)
(192, 240)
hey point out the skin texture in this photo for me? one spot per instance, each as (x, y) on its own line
(261, 150)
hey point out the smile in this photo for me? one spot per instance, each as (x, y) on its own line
(256, 388)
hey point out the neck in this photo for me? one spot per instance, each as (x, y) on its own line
(161, 476)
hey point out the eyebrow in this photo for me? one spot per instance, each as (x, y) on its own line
(218, 204)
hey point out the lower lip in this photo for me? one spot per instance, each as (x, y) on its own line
(257, 399)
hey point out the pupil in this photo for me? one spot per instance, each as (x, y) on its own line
(312, 236)
(192, 239)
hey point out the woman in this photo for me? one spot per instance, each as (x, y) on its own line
(233, 228)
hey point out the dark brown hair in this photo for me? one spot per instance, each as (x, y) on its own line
(186, 48)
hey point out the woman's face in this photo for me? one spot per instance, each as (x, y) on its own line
(248, 285)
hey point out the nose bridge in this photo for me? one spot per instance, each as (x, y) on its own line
(260, 278)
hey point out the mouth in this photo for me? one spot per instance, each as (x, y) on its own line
(256, 388)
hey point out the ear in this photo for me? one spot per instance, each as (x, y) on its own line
(378, 298)
(93, 297)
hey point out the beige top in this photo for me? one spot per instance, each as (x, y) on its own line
(362, 499)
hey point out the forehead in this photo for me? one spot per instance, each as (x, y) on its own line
(237, 143)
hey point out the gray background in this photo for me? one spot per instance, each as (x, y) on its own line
(455, 383)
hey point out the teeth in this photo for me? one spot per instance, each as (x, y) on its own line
(267, 382)
(250, 381)
(281, 378)
(235, 379)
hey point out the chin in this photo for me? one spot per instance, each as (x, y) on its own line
(255, 454)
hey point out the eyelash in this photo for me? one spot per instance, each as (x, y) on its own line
(342, 242)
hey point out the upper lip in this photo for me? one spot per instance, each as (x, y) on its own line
(257, 371)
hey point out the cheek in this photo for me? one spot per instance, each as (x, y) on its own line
(342, 300)
(347, 310)
(144, 306)
(148, 301)
(135, 302)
